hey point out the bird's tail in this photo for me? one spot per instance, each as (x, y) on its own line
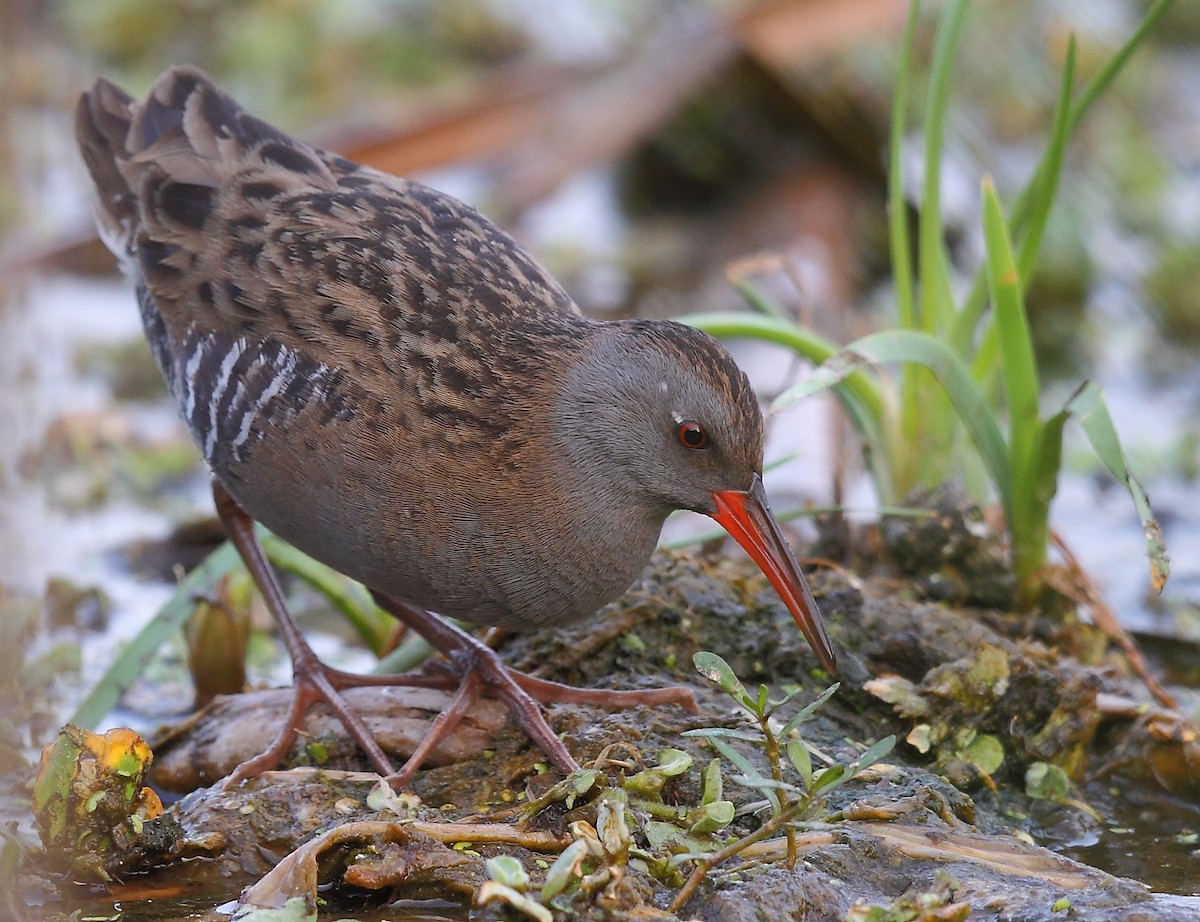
(159, 163)
(102, 121)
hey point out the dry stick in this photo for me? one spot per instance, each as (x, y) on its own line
(1107, 621)
(707, 863)
(535, 840)
(772, 748)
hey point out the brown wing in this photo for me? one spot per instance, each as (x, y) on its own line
(238, 226)
(243, 235)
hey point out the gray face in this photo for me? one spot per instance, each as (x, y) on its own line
(666, 414)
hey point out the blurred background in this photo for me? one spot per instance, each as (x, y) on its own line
(646, 152)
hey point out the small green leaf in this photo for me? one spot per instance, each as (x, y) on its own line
(760, 706)
(1088, 406)
(712, 817)
(873, 754)
(1044, 781)
(717, 671)
(827, 779)
(711, 783)
(672, 762)
(507, 870)
(761, 783)
(805, 714)
(985, 752)
(743, 764)
(581, 781)
(565, 867)
(799, 756)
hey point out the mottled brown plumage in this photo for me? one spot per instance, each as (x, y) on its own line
(384, 378)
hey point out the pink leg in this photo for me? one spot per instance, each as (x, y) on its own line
(482, 670)
(472, 667)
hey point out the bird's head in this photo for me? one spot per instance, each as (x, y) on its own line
(662, 415)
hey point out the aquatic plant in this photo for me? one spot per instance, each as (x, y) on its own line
(965, 364)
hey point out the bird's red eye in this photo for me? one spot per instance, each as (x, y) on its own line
(692, 435)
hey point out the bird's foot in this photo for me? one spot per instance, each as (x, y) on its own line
(473, 668)
(478, 670)
(314, 683)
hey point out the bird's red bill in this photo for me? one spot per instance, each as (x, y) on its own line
(747, 517)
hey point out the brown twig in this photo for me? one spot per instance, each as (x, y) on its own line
(708, 862)
(1085, 592)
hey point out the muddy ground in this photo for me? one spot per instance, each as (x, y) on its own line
(1012, 730)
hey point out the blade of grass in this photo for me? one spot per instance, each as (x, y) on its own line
(960, 387)
(133, 659)
(1035, 202)
(749, 771)
(936, 298)
(1087, 405)
(900, 467)
(1017, 362)
(1031, 545)
(1022, 213)
(1043, 189)
(808, 710)
(1107, 74)
(370, 622)
(898, 238)
(1028, 517)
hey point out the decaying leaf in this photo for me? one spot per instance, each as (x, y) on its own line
(92, 811)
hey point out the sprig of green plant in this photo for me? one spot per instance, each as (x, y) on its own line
(962, 366)
(790, 801)
(372, 623)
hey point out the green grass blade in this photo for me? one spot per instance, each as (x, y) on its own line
(133, 659)
(752, 774)
(758, 300)
(1024, 207)
(898, 239)
(936, 297)
(964, 393)
(1088, 406)
(1043, 188)
(908, 424)
(1033, 207)
(1030, 542)
(1099, 83)
(865, 400)
(1017, 362)
(372, 624)
(774, 329)
(1019, 365)
(1028, 515)
(806, 713)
